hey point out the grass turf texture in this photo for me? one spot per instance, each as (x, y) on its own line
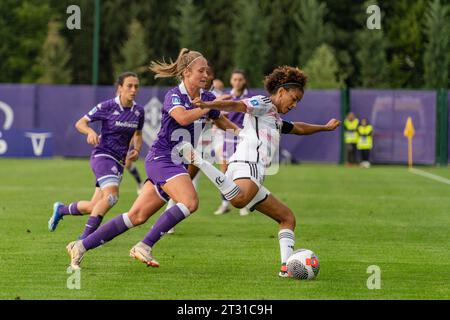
(351, 218)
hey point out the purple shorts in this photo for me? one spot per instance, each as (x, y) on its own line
(108, 171)
(160, 170)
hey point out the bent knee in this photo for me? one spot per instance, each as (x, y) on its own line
(190, 204)
(90, 207)
(111, 198)
(137, 217)
(240, 201)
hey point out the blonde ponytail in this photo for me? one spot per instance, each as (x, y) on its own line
(175, 69)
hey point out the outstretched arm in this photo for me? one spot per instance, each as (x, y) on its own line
(186, 117)
(303, 128)
(225, 105)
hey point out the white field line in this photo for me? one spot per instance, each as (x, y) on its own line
(429, 175)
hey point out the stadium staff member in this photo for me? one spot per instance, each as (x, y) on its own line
(351, 137)
(365, 142)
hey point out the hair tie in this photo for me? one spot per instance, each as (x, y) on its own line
(200, 56)
(289, 84)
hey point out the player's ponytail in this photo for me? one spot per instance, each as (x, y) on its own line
(185, 59)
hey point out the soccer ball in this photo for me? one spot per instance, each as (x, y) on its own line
(303, 264)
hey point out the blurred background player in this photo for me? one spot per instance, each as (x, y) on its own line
(239, 91)
(351, 124)
(168, 178)
(365, 142)
(218, 136)
(133, 170)
(217, 87)
(122, 121)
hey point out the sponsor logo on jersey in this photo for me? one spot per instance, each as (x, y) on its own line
(93, 110)
(126, 124)
(254, 102)
(176, 100)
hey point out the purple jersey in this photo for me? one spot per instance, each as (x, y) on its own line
(171, 132)
(238, 117)
(118, 127)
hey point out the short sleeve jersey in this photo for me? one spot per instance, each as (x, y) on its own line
(260, 136)
(171, 132)
(238, 117)
(118, 125)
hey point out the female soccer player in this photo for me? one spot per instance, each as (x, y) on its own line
(167, 175)
(238, 81)
(259, 142)
(130, 165)
(122, 121)
(205, 139)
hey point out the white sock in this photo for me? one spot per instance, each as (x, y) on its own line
(170, 204)
(127, 220)
(225, 203)
(226, 186)
(287, 242)
(196, 181)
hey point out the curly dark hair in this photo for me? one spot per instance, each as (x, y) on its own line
(287, 77)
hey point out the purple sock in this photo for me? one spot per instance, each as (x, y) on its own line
(71, 209)
(91, 225)
(108, 231)
(169, 219)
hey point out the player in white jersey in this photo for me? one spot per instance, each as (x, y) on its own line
(259, 140)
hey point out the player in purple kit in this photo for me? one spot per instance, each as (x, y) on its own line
(168, 177)
(238, 81)
(122, 121)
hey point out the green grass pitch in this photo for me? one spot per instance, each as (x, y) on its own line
(351, 218)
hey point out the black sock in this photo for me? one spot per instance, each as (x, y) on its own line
(135, 173)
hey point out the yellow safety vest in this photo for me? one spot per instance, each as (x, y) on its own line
(365, 141)
(351, 133)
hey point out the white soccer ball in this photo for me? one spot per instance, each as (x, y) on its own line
(303, 264)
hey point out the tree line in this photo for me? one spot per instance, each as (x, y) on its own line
(327, 38)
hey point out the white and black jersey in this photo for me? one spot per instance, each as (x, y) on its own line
(260, 135)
